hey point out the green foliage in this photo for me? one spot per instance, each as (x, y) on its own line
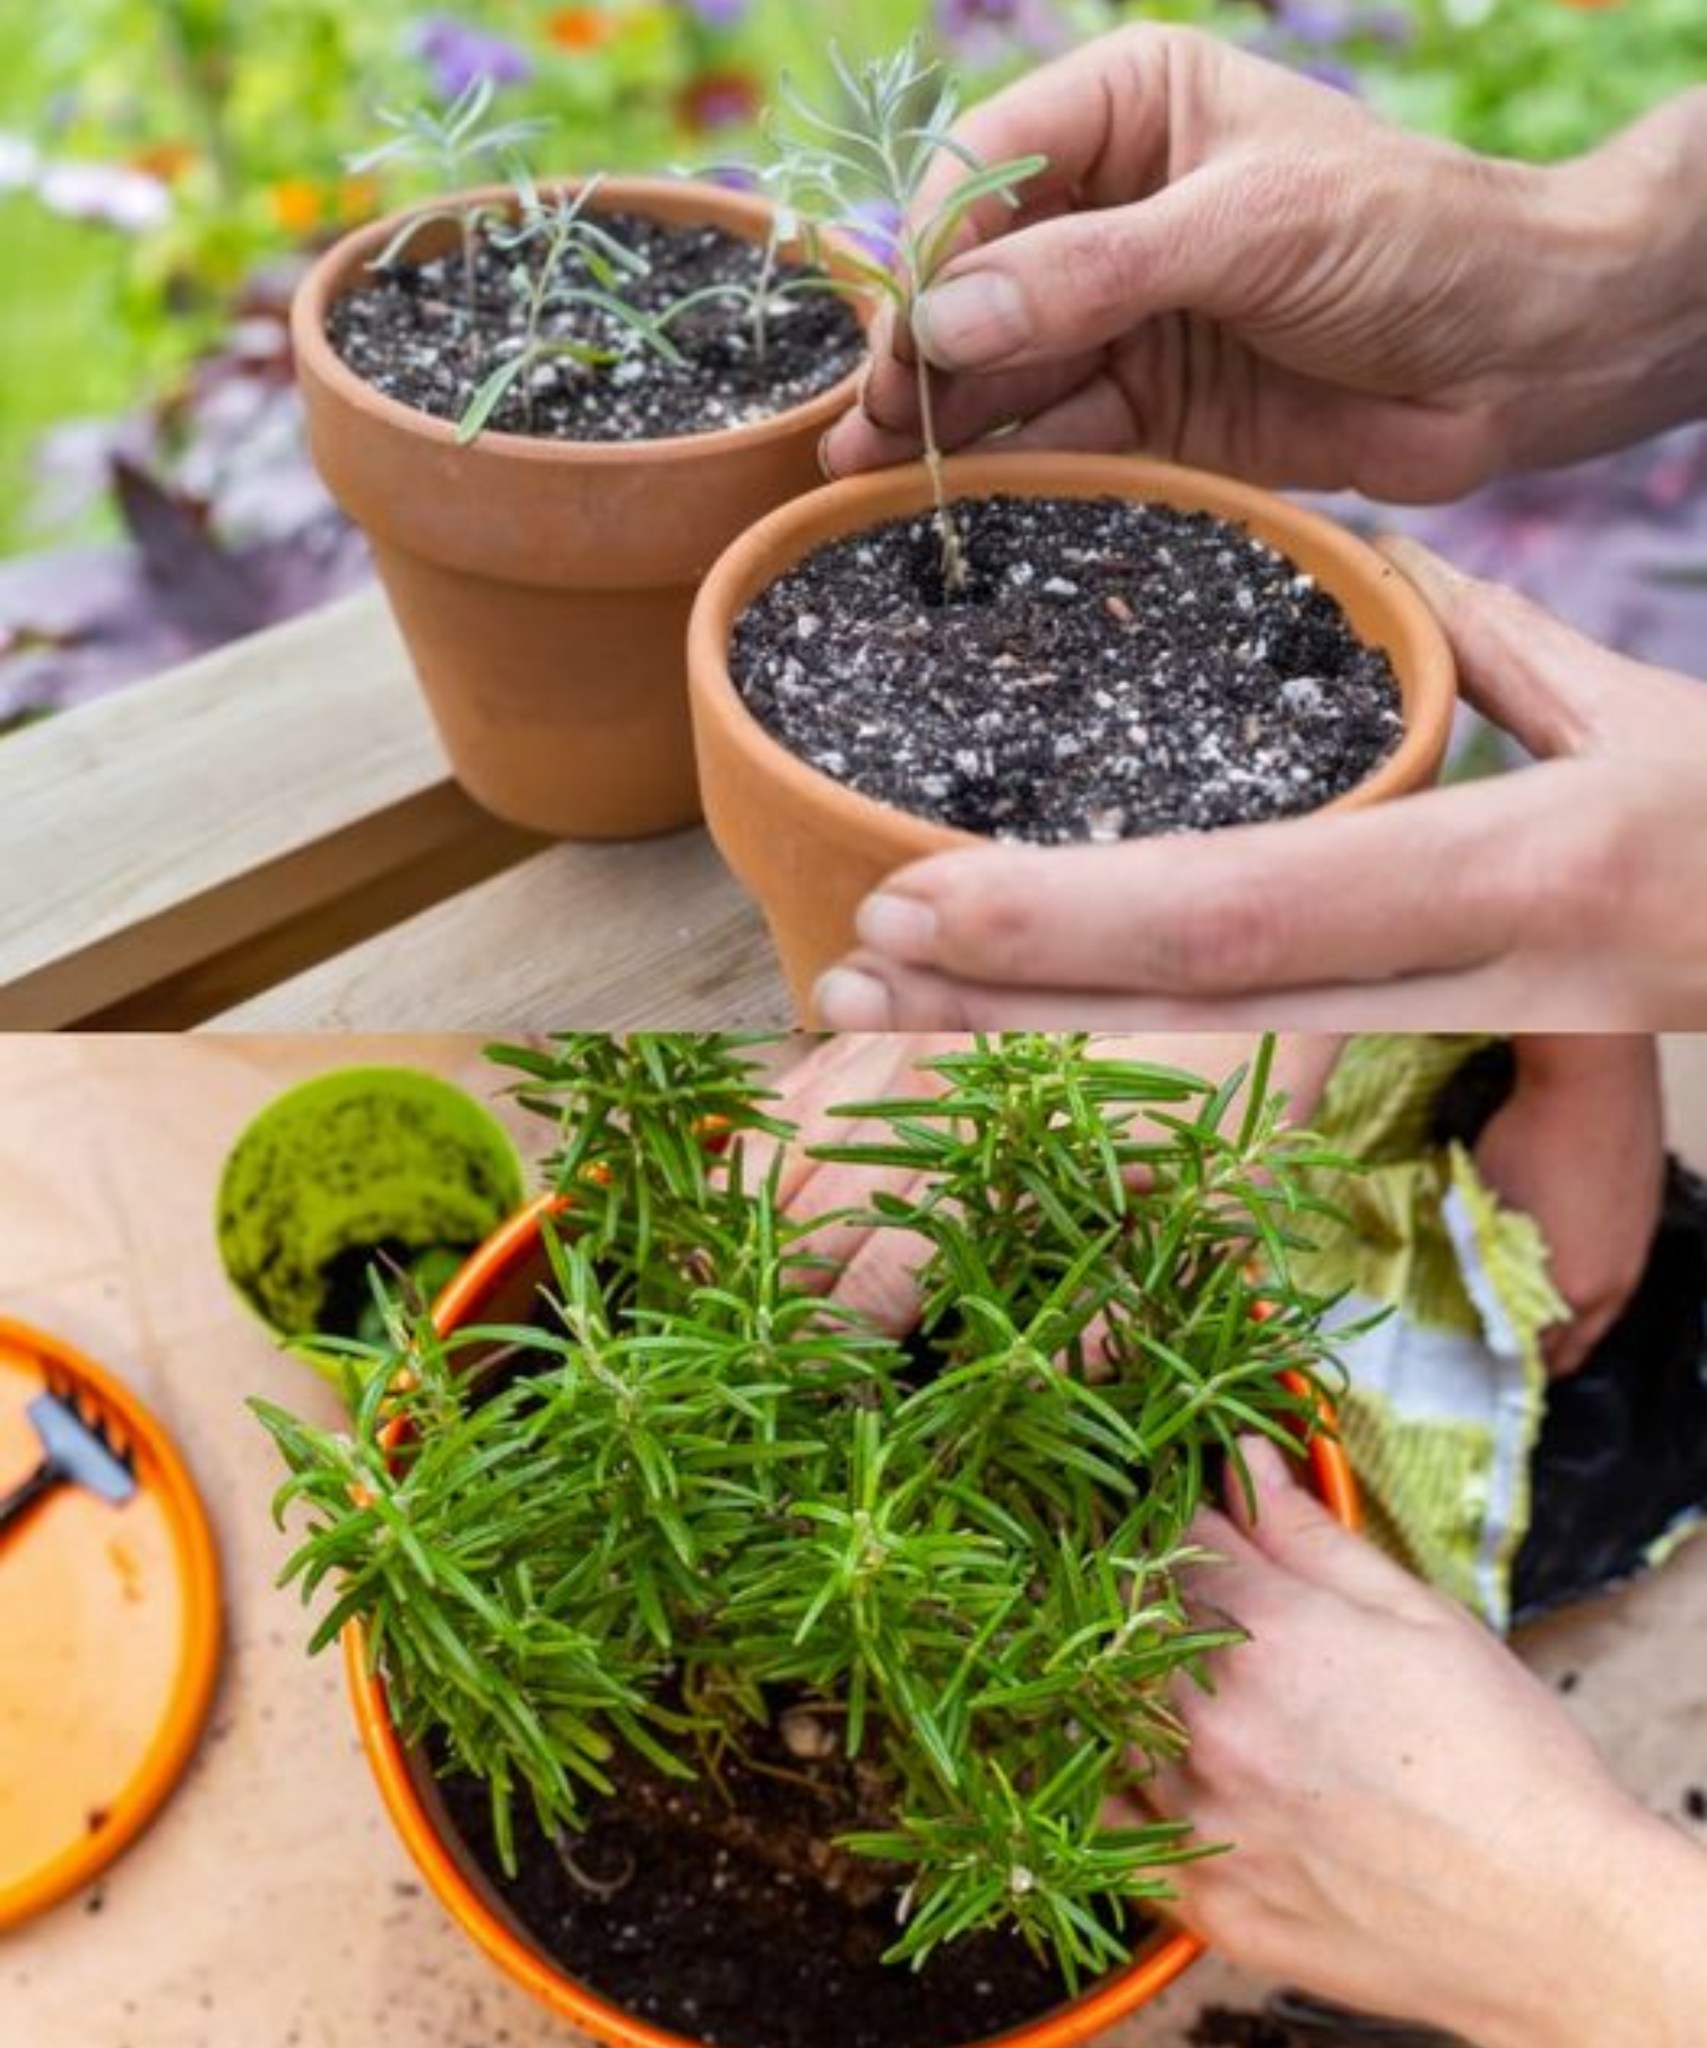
(700, 1492)
(870, 157)
(555, 238)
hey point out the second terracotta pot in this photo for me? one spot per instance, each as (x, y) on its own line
(544, 587)
(811, 850)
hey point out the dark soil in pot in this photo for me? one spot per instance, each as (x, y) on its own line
(1113, 670)
(727, 1916)
(407, 334)
(347, 1307)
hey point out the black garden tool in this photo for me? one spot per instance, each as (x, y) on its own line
(79, 1448)
(1293, 2019)
(1317, 2020)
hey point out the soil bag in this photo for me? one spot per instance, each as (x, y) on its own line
(1514, 1494)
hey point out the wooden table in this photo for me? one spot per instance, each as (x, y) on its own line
(271, 1905)
(269, 838)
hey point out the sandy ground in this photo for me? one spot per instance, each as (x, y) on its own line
(271, 1906)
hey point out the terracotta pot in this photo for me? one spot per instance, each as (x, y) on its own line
(810, 849)
(543, 587)
(497, 1286)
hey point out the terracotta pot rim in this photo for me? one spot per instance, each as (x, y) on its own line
(767, 550)
(315, 354)
(1167, 1956)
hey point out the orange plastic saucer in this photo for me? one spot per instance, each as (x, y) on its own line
(109, 1641)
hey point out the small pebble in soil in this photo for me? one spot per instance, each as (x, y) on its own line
(1112, 671)
(408, 333)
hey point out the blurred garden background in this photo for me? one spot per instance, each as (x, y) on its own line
(166, 166)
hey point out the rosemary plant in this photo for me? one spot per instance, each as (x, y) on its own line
(770, 294)
(867, 161)
(550, 228)
(450, 142)
(694, 1494)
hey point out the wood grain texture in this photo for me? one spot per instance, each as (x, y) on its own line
(184, 820)
(610, 938)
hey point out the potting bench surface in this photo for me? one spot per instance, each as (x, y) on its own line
(272, 1903)
(269, 839)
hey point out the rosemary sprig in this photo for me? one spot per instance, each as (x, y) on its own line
(863, 164)
(450, 142)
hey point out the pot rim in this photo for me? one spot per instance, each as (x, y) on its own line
(726, 208)
(1167, 1956)
(785, 537)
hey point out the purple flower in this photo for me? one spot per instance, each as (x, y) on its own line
(458, 56)
(1324, 23)
(987, 31)
(875, 226)
(718, 14)
(1328, 71)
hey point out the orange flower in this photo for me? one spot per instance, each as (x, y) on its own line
(167, 161)
(579, 28)
(358, 198)
(296, 205)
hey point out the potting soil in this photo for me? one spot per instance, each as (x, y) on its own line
(410, 336)
(1112, 670)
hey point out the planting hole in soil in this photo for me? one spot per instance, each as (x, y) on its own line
(407, 333)
(1112, 671)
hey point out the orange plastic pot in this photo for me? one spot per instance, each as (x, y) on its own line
(544, 587)
(496, 1285)
(811, 850)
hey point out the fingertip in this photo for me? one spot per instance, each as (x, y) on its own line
(1259, 1480)
(902, 926)
(972, 320)
(1438, 580)
(850, 998)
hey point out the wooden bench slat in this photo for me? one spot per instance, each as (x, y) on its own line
(192, 816)
(592, 937)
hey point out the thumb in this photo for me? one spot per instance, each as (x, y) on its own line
(1553, 689)
(1293, 1529)
(1074, 284)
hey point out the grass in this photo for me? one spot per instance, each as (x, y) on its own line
(64, 351)
(67, 349)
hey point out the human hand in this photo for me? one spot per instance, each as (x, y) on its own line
(875, 1271)
(870, 1271)
(1567, 896)
(1230, 265)
(1580, 1147)
(1418, 1826)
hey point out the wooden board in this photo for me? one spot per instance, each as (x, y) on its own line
(289, 778)
(606, 938)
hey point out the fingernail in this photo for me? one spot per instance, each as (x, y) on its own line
(1266, 1464)
(967, 322)
(902, 926)
(826, 468)
(847, 1000)
(1429, 571)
